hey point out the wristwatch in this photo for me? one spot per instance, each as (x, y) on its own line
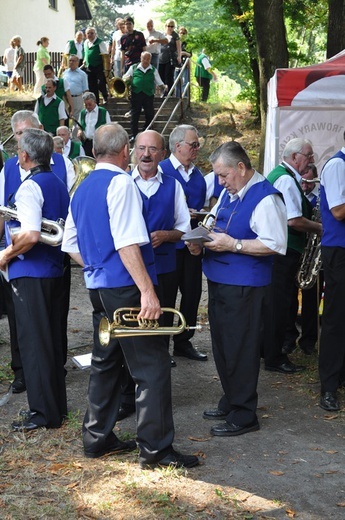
(238, 246)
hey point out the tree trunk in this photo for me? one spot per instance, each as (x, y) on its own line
(272, 51)
(335, 31)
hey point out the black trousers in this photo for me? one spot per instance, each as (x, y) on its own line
(16, 362)
(189, 281)
(149, 365)
(277, 315)
(204, 83)
(166, 72)
(236, 323)
(87, 145)
(97, 83)
(138, 102)
(332, 341)
(38, 319)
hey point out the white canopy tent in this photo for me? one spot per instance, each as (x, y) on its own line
(307, 102)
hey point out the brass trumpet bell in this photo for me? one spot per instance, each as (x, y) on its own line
(83, 166)
(117, 87)
(124, 315)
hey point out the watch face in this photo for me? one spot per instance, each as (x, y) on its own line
(239, 246)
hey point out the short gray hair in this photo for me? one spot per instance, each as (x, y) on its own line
(178, 135)
(294, 146)
(109, 139)
(89, 95)
(230, 154)
(25, 115)
(38, 144)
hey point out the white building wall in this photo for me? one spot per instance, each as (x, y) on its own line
(32, 19)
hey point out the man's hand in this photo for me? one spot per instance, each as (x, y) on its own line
(3, 262)
(157, 238)
(150, 306)
(194, 249)
(221, 242)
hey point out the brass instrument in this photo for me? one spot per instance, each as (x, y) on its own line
(83, 166)
(311, 262)
(51, 231)
(117, 87)
(63, 66)
(119, 329)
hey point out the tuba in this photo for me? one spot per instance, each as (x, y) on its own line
(83, 166)
(51, 231)
(117, 88)
(119, 328)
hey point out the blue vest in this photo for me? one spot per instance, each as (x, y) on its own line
(217, 188)
(103, 265)
(44, 261)
(159, 211)
(236, 268)
(59, 167)
(333, 230)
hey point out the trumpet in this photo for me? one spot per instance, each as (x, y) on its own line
(51, 231)
(123, 315)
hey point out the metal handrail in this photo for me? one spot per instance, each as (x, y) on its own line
(169, 95)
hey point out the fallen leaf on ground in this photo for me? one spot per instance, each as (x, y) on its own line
(277, 473)
(201, 439)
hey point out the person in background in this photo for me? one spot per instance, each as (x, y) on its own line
(50, 108)
(78, 83)
(76, 48)
(91, 117)
(62, 90)
(170, 56)
(185, 53)
(154, 41)
(132, 45)
(42, 59)
(58, 145)
(71, 149)
(115, 53)
(143, 77)
(204, 74)
(8, 61)
(19, 64)
(94, 48)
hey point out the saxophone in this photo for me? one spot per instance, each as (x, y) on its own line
(311, 259)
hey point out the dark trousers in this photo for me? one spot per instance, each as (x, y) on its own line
(332, 341)
(149, 365)
(16, 362)
(88, 145)
(236, 323)
(138, 102)
(189, 280)
(277, 315)
(204, 83)
(166, 72)
(97, 83)
(38, 320)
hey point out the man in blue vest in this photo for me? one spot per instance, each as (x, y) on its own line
(332, 346)
(184, 146)
(143, 78)
(35, 272)
(113, 246)
(11, 176)
(250, 228)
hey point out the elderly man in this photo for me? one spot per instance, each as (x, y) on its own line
(250, 227)
(154, 40)
(143, 77)
(62, 87)
(91, 117)
(50, 108)
(286, 177)
(132, 45)
(76, 47)
(119, 272)
(11, 177)
(184, 146)
(78, 83)
(72, 149)
(35, 273)
(94, 48)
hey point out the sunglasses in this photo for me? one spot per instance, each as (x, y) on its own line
(195, 145)
(172, 26)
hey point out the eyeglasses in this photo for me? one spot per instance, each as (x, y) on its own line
(309, 155)
(151, 149)
(195, 145)
(171, 26)
(181, 32)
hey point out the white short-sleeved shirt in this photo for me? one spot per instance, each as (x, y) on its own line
(292, 196)
(333, 180)
(91, 119)
(268, 219)
(150, 187)
(125, 206)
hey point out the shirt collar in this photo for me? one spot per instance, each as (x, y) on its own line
(158, 176)
(177, 164)
(109, 166)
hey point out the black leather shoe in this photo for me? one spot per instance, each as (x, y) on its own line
(174, 459)
(26, 414)
(329, 402)
(214, 415)
(289, 347)
(230, 430)
(18, 386)
(172, 362)
(125, 411)
(286, 368)
(190, 352)
(118, 447)
(24, 426)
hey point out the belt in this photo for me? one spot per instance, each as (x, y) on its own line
(76, 95)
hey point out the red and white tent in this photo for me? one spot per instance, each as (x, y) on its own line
(307, 102)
